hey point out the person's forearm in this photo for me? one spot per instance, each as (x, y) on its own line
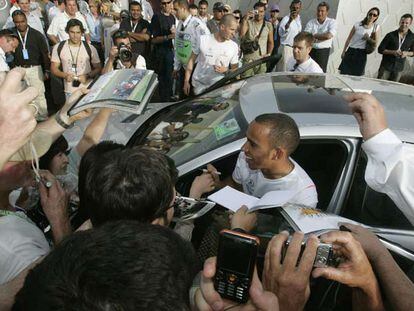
(243, 29)
(323, 36)
(162, 39)
(96, 70)
(60, 230)
(54, 39)
(270, 45)
(397, 287)
(58, 73)
(139, 36)
(109, 66)
(88, 38)
(387, 52)
(368, 299)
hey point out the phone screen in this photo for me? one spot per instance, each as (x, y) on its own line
(235, 254)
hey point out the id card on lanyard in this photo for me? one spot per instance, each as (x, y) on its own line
(25, 52)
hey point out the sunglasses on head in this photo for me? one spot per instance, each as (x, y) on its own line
(275, 11)
(373, 14)
(165, 3)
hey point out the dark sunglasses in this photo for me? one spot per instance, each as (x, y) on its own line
(165, 3)
(237, 17)
(275, 11)
(373, 14)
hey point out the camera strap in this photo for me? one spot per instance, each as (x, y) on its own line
(258, 36)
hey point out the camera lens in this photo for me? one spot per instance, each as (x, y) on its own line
(124, 53)
(75, 83)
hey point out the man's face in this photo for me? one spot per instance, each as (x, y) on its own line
(265, 2)
(260, 14)
(227, 32)
(21, 23)
(301, 51)
(75, 34)
(92, 6)
(218, 14)
(59, 164)
(295, 9)
(180, 13)
(321, 13)
(125, 41)
(405, 24)
(135, 12)
(257, 147)
(24, 6)
(193, 12)
(202, 10)
(274, 14)
(9, 44)
(166, 6)
(71, 7)
(16, 174)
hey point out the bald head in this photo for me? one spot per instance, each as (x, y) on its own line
(227, 20)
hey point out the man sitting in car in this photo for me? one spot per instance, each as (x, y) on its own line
(264, 163)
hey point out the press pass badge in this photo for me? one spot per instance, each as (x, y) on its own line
(25, 53)
(74, 68)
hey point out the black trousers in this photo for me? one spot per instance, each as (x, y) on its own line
(321, 56)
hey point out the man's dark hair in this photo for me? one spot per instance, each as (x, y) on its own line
(182, 4)
(59, 145)
(325, 4)
(119, 34)
(296, 1)
(205, 2)
(259, 5)
(408, 15)
(133, 183)
(123, 265)
(136, 3)
(193, 6)
(73, 23)
(283, 130)
(304, 36)
(19, 13)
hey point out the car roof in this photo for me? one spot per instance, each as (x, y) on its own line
(315, 102)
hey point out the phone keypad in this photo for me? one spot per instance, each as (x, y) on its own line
(231, 286)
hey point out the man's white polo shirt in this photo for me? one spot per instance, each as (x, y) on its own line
(58, 25)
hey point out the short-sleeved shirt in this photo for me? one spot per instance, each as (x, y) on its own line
(314, 27)
(309, 66)
(32, 20)
(138, 47)
(4, 67)
(254, 183)
(58, 25)
(213, 52)
(287, 35)
(75, 55)
(21, 243)
(95, 27)
(357, 41)
(253, 32)
(161, 26)
(187, 40)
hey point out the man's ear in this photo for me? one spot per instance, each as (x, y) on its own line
(278, 153)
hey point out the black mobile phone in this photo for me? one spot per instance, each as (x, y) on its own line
(236, 260)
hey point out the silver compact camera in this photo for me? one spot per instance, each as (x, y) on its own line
(325, 256)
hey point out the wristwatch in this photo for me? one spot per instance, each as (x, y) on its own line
(62, 123)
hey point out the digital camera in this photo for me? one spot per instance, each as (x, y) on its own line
(124, 53)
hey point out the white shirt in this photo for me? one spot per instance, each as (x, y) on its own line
(314, 27)
(213, 53)
(254, 182)
(32, 20)
(3, 64)
(309, 66)
(51, 14)
(147, 11)
(390, 170)
(287, 36)
(357, 41)
(21, 243)
(140, 63)
(58, 25)
(191, 29)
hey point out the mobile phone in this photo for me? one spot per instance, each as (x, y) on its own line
(236, 259)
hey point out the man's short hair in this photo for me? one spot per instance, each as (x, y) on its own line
(8, 33)
(73, 23)
(296, 1)
(65, 1)
(259, 5)
(59, 145)
(227, 19)
(123, 265)
(284, 132)
(134, 183)
(182, 4)
(205, 2)
(304, 36)
(119, 34)
(136, 3)
(193, 6)
(18, 13)
(408, 15)
(325, 4)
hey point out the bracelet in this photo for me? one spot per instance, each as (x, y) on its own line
(61, 122)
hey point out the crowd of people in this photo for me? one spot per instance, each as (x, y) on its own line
(90, 227)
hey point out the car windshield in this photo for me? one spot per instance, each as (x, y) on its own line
(199, 125)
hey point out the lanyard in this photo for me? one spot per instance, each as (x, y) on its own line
(25, 38)
(184, 28)
(401, 41)
(74, 61)
(133, 27)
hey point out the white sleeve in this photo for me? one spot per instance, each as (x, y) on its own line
(282, 31)
(308, 27)
(390, 169)
(235, 58)
(332, 29)
(240, 169)
(53, 27)
(140, 63)
(9, 23)
(85, 24)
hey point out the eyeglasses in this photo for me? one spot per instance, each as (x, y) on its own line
(373, 14)
(165, 3)
(275, 11)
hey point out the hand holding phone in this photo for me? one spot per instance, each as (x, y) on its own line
(236, 260)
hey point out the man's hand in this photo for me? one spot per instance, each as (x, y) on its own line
(243, 219)
(201, 184)
(175, 74)
(113, 53)
(83, 79)
(213, 171)
(207, 299)
(220, 69)
(289, 281)
(187, 88)
(17, 120)
(46, 76)
(69, 76)
(368, 112)
(69, 103)
(370, 243)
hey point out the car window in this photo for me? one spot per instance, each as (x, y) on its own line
(372, 208)
(197, 126)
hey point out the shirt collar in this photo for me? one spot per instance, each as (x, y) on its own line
(2, 54)
(187, 20)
